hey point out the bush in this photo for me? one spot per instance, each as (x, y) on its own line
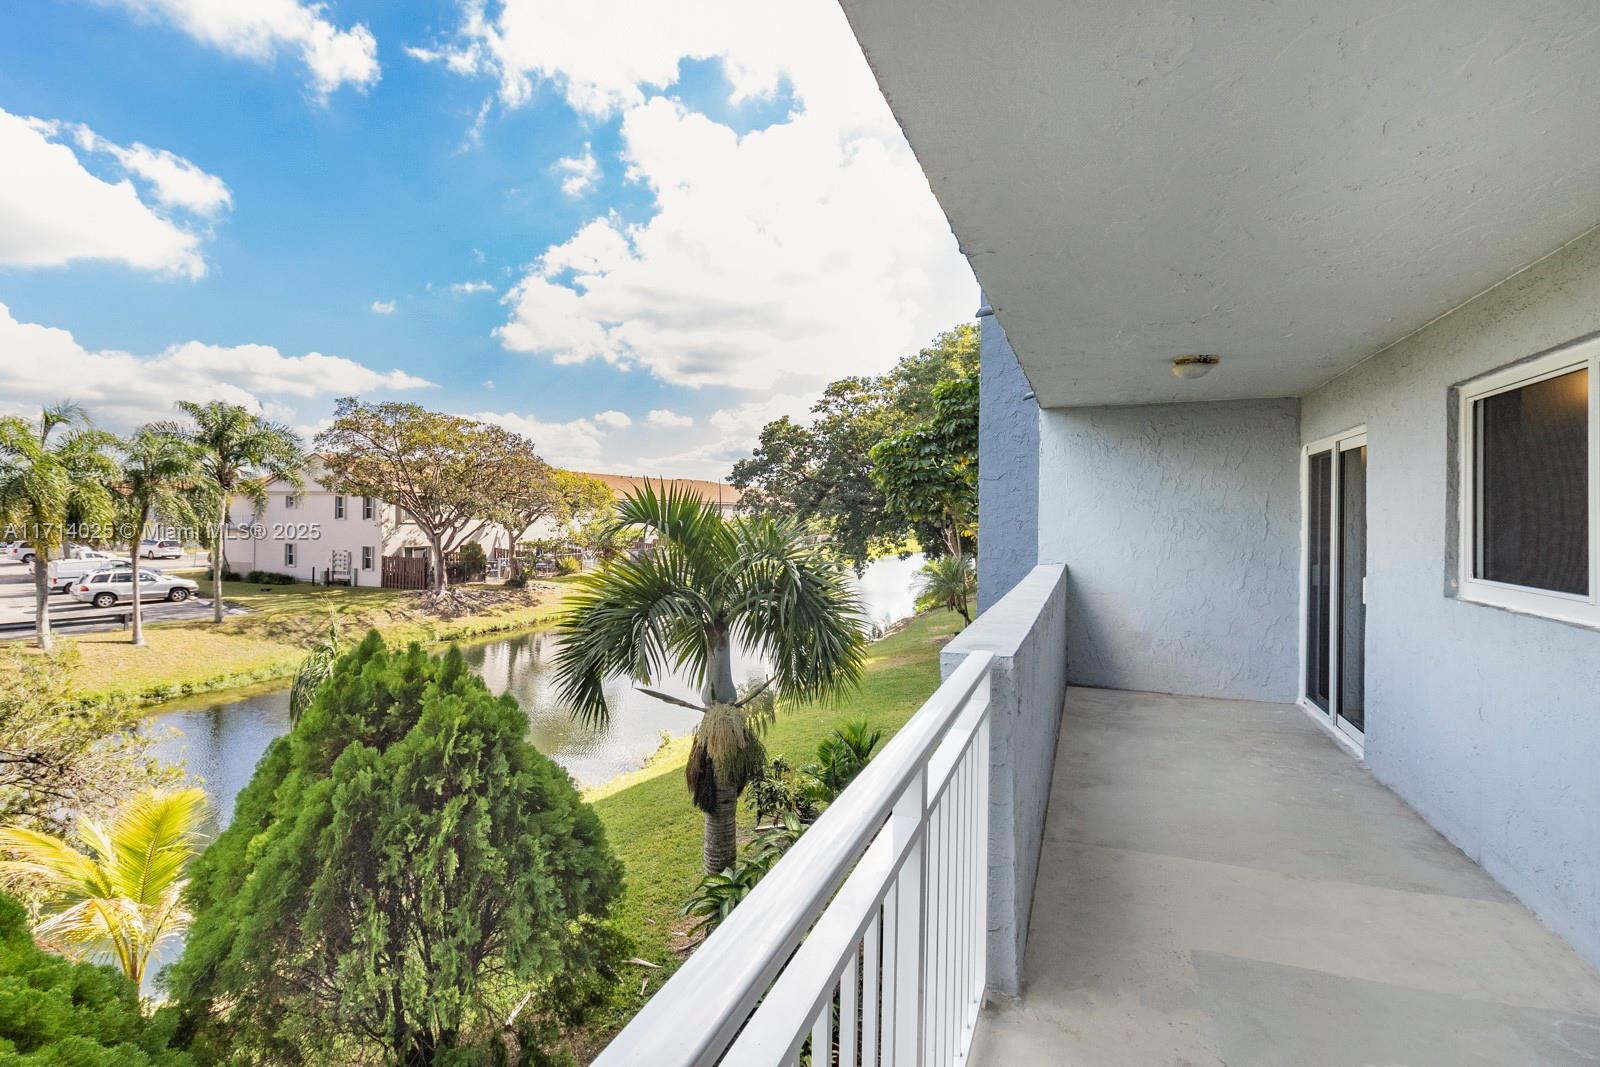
(57, 1012)
(841, 755)
(782, 788)
(270, 578)
(568, 564)
(228, 574)
(406, 808)
(717, 895)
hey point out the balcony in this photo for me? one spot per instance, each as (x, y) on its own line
(1212, 882)
(1221, 883)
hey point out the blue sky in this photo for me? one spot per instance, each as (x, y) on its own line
(634, 233)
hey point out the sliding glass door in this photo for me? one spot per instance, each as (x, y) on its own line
(1335, 626)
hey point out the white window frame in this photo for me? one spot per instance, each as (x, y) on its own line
(367, 508)
(338, 506)
(290, 501)
(1548, 603)
(369, 557)
(290, 555)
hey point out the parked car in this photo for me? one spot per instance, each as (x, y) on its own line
(63, 572)
(106, 588)
(161, 549)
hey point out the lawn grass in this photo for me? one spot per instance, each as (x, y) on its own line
(657, 832)
(270, 639)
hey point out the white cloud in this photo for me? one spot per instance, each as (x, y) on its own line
(669, 420)
(263, 29)
(175, 181)
(613, 420)
(471, 287)
(44, 365)
(578, 444)
(780, 258)
(578, 172)
(732, 433)
(53, 211)
(383, 307)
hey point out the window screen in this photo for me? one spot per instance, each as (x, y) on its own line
(1533, 485)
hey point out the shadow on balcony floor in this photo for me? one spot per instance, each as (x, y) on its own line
(1222, 884)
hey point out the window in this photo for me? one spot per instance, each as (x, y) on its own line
(366, 508)
(338, 507)
(366, 557)
(290, 501)
(1530, 511)
(288, 555)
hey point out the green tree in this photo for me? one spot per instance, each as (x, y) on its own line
(53, 473)
(820, 472)
(400, 869)
(929, 473)
(947, 581)
(55, 1012)
(61, 755)
(450, 475)
(708, 583)
(159, 474)
(239, 454)
(536, 492)
(120, 900)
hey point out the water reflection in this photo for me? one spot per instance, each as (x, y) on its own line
(221, 738)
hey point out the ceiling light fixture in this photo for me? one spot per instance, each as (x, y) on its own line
(1194, 366)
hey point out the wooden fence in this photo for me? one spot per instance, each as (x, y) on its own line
(405, 572)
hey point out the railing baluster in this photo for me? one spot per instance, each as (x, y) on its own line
(847, 1011)
(866, 943)
(870, 977)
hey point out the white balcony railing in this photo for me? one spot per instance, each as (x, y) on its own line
(865, 945)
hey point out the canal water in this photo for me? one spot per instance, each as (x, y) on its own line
(220, 738)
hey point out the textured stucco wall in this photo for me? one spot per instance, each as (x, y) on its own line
(1008, 467)
(1027, 632)
(1179, 524)
(1487, 722)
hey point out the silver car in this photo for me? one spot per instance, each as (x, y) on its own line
(105, 588)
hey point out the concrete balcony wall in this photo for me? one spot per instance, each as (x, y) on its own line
(1008, 467)
(1181, 526)
(1027, 632)
(1486, 721)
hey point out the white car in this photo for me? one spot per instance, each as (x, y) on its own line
(161, 549)
(106, 588)
(84, 562)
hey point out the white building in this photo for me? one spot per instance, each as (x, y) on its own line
(311, 532)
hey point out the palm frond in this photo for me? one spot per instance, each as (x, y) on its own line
(796, 606)
(640, 618)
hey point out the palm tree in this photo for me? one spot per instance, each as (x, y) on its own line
(708, 583)
(314, 671)
(239, 454)
(122, 898)
(159, 473)
(51, 474)
(947, 582)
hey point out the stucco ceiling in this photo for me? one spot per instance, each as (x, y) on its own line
(1291, 186)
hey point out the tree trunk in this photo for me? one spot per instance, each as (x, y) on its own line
(440, 579)
(722, 841)
(41, 596)
(133, 557)
(721, 835)
(219, 563)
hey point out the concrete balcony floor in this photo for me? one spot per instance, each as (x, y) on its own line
(1221, 883)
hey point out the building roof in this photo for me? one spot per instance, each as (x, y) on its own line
(622, 485)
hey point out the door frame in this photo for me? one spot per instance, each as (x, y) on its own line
(1331, 721)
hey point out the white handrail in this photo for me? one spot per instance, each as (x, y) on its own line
(696, 1016)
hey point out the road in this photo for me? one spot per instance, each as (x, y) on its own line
(16, 598)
